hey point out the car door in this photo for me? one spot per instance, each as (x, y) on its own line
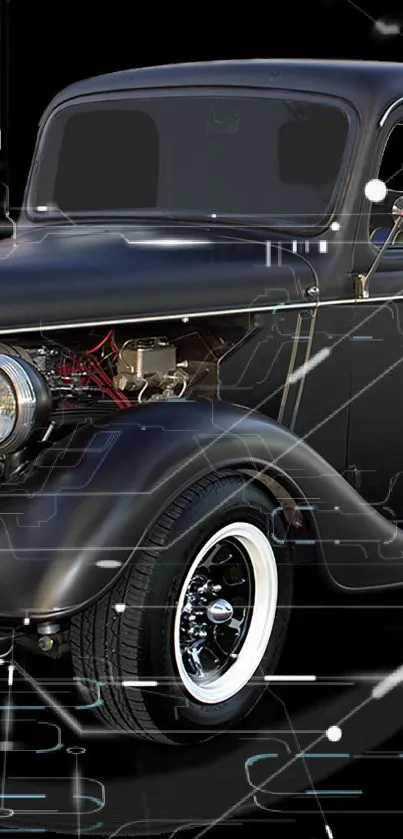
(296, 368)
(376, 413)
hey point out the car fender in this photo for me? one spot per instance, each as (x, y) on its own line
(71, 526)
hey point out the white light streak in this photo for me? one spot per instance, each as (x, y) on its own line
(389, 683)
(108, 563)
(309, 365)
(387, 28)
(277, 678)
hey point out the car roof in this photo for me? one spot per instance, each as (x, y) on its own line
(366, 84)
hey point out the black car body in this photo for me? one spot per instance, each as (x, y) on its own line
(186, 308)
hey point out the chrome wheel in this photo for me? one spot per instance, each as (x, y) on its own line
(225, 613)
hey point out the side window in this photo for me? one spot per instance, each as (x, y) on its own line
(391, 172)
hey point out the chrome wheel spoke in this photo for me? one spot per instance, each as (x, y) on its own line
(212, 626)
(214, 652)
(213, 559)
(193, 655)
(236, 624)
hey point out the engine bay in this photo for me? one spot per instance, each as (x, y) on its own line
(73, 376)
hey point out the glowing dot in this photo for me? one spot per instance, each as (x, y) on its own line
(335, 225)
(120, 607)
(375, 190)
(333, 733)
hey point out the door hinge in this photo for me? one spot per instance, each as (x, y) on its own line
(361, 289)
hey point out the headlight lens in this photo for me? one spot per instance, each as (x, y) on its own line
(25, 403)
(8, 407)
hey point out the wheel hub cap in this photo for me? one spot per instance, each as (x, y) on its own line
(219, 611)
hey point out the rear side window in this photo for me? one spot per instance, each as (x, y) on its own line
(391, 172)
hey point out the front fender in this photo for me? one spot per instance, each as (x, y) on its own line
(73, 524)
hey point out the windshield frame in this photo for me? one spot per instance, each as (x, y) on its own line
(233, 220)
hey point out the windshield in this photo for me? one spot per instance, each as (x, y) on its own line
(225, 156)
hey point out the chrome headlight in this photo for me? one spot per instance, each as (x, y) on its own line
(25, 403)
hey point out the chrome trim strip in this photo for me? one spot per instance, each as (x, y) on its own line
(250, 310)
(306, 359)
(389, 110)
(290, 370)
(359, 300)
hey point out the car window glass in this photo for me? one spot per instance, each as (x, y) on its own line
(391, 172)
(229, 155)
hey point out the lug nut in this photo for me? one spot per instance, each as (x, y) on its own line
(197, 632)
(45, 643)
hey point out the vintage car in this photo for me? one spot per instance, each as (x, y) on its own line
(201, 365)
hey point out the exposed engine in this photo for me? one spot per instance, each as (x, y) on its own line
(83, 375)
(137, 370)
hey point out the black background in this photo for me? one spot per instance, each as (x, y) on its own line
(51, 44)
